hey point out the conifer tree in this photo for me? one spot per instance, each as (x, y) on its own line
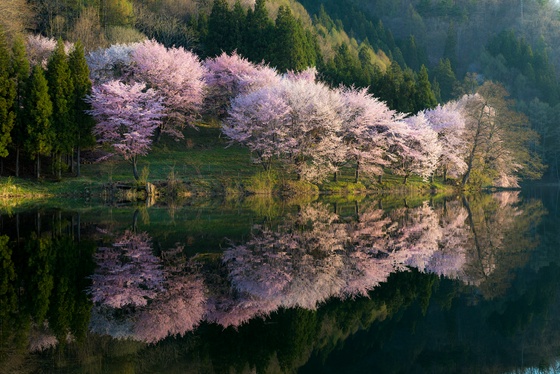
(258, 33)
(19, 71)
(7, 96)
(445, 76)
(61, 92)
(239, 18)
(38, 109)
(450, 48)
(82, 122)
(220, 35)
(425, 97)
(292, 50)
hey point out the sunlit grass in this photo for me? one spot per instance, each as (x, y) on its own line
(203, 163)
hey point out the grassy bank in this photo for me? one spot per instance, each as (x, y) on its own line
(200, 164)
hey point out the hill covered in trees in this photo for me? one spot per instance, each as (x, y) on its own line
(411, 54)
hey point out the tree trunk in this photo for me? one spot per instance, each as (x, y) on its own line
(38, 167)
(405, 179)
(17, 161)
(78, 161)
(357, 173)
(336, 176)
(380, 179)
(135, 169)
(157, 138)
(59, 166)
(471, 156)
(72, 162)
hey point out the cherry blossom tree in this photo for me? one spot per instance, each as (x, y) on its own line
(309, 74)
(449, 123)
(257, 121)
(39, 49)
(296, 120)
(107, 64)
(229, 76)
(500, 141)
(127, 116)
(420, 151)
(366, 127)
(177, 76)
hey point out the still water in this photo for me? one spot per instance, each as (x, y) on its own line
(361, 285)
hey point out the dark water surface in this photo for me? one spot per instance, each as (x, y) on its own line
(359, 285)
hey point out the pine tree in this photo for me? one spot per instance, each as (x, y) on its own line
(292, 50)
(425, 97)
(220, 37)
(238, 20)
(38, 109)
(61, 92)
(446, 79)
(258, 34)
(19, 71)
(450, 48)
(7, 96)
(82, 122)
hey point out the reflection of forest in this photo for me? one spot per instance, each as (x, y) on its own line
(294, 271)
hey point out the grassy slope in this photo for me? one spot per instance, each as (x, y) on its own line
(202, 160)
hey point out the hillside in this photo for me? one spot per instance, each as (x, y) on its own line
(411, 54)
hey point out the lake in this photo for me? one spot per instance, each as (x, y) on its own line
(390, 284)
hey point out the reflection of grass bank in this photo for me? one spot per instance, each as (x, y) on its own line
(203, 165)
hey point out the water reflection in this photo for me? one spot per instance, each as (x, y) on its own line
(65, 281)
(304, 259)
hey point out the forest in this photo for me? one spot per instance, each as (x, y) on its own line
(465, 92)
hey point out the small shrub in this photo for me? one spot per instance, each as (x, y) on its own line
(301, 187)
(262, 183)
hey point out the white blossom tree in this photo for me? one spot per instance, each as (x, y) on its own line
(420, 151)
(127, 116)
(177, 76)
(297, 120)
(229, 76)
(367, 123)
(449, 123)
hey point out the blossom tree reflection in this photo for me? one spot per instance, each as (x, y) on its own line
(297, 265)
(142, 296)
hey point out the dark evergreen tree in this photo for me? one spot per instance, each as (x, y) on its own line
(20, 74)
(344, 68)
(425, 97)
(410, 52)
(7, 96)
(292, 50)
(82, 122)
(38, 109)
(258, 33)
(61, 91)
(450, 48)
(445, 77)
(221, 30)
(238, 16)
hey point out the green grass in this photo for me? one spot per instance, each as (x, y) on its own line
(202, 164)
